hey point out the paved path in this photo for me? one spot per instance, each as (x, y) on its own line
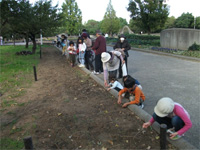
(164, 76)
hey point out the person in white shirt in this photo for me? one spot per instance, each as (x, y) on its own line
(114, 84)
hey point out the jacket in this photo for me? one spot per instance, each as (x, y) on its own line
(124, 45)
(99, 45)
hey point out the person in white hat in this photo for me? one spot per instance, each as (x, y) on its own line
(173, 115)
(111, 61)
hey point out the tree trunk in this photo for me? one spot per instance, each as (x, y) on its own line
(27, 41)
(34, 44)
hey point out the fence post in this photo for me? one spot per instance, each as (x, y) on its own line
(35, 74)
(163, 139)
(28, 143)
(40, 51)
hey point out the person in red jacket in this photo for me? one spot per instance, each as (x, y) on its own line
(99, 47)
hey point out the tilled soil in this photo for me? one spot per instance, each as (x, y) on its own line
(66, 109)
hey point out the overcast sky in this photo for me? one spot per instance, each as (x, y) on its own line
(95, 9)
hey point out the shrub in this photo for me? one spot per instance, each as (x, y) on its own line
(194, 47)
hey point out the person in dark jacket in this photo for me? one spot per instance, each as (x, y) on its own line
(99, 47)
(123, 44)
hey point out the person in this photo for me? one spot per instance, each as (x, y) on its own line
(85, 31)
(123, 44)
(99, 47)
(136, 81)
(114, 84)
(63, 43)
(132, 88)
(173, 115)
(72, 53)
(1, 40)
(111, 63)
(82, 47)
(88, 52)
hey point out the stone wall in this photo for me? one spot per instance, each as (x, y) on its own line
(179, 38)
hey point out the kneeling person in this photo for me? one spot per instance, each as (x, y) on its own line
(131, 87)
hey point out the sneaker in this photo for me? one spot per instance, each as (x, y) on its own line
(170, 131)
(94, 72)
(141, 106)
(80, 65)
(176, 137)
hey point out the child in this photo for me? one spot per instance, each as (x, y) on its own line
(114, 84)
(132, 88)
(63, 43)
(173, 115)
(72, 53)
(136, 81)
(82, 47)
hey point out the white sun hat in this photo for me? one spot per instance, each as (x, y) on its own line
(105, 57)
(164, 106)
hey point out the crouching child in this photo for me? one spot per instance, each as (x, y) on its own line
(132, 88)
(114, 84)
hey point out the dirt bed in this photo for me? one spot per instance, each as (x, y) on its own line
(66, 109)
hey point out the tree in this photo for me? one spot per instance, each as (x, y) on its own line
(27, 20)
(134, 26)
(122, 22)
(170, 22)
(186, 20)
(110, 23)
(152, 14)
(197, 23)
(92, 26)
(72, 17)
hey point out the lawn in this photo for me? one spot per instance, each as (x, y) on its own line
(14, 69)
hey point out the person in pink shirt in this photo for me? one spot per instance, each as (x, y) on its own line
(173, 115)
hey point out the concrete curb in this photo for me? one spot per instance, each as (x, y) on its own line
(143, 115)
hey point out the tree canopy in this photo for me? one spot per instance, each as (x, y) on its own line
(186, 20)
(110, 23)
(72, 17)
(152, 14)
(27, 20)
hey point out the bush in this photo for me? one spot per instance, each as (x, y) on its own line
(194, 47)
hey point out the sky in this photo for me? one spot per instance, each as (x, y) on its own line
(95, 9)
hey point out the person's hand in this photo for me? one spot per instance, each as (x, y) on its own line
(146, 125)
(123, 61)
(173, 135)
(125, 105)
(123, 49)
(119, 100)
(105, 83)
(108, 89)
(82, 51)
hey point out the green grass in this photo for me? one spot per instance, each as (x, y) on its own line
(16, 69)
(7, 143)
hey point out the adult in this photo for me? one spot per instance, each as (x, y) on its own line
(123, 44)
(173, 115)
(111, 62)
(99, 47)
(88, 52)
(1, 40)
(85, 31)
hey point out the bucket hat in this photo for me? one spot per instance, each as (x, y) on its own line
(164, 106)
(105, 57)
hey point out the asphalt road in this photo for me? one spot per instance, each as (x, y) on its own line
(165, 76)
